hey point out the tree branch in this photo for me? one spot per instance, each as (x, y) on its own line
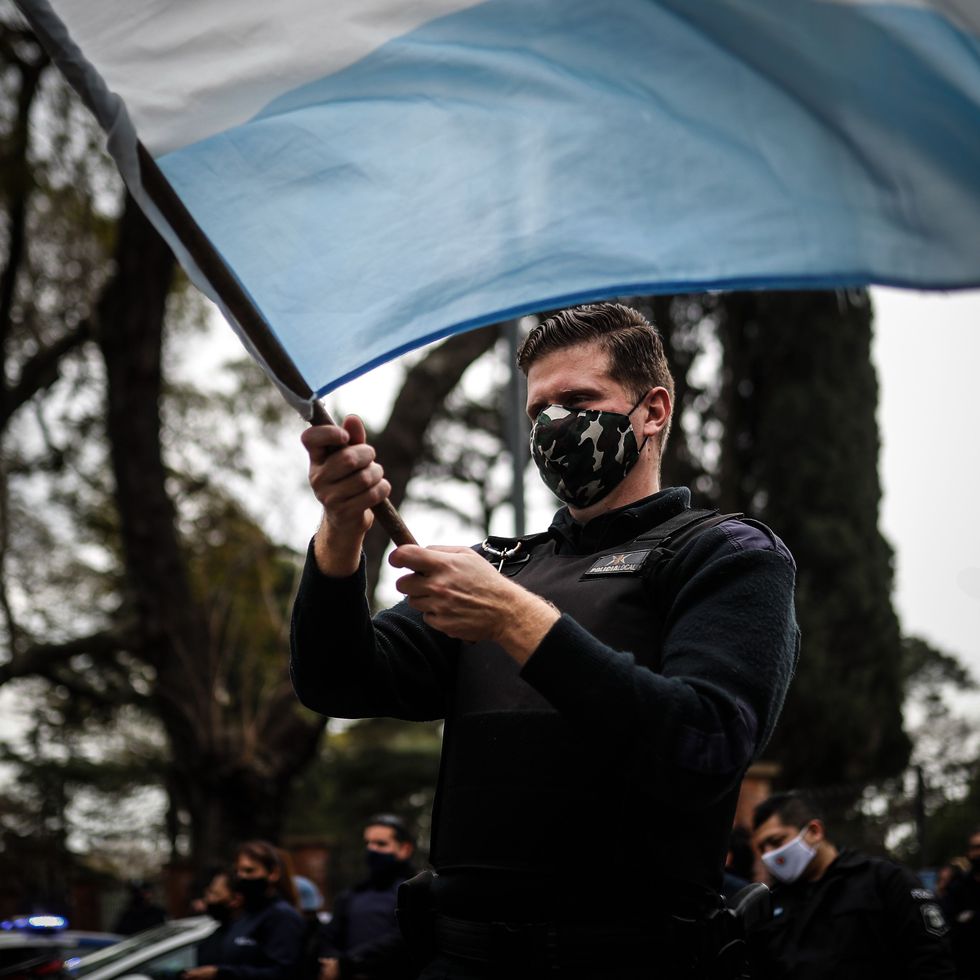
(41, 371)
(41, 658)
(400, 445)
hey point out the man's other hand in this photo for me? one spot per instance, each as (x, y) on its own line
(329, 969)
(200, 973)
(464, 596)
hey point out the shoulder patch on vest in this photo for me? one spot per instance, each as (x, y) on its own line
(933, 919)
(622, 563)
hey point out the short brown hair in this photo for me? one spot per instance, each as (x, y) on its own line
(790, 809)
(634, 345)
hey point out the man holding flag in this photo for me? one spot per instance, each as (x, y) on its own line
(605, 684)
(618, 672)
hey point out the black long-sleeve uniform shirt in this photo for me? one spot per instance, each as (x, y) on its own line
(682, 736)
(264, 944)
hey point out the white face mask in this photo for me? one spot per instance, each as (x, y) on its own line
(788, 862)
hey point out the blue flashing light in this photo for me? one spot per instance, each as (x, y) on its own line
(35, 923)
(47, 922)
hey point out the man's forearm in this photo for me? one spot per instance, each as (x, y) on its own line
(524, 624)
(338, 554)
(344, 664)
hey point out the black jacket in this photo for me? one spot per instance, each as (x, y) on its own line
(264, 944)
(669, 701)
(363, 933)
(866, 918)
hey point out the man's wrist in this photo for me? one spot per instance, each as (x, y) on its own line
(525, 623)
(337, 554)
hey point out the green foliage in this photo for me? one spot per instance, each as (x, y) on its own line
(800, 450)
(944, 801)
(245, 584)
(928, 671)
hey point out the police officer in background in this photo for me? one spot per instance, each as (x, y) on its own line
(840, 914)
(605, 683)
(362, 940)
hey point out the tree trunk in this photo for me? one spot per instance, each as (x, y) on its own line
(232, 782)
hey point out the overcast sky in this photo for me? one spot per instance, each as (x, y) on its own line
(927, 351)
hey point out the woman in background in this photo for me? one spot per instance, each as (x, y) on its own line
(266, 941)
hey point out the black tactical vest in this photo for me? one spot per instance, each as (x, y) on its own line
(522, 792)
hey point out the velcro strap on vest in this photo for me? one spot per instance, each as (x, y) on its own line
(682, 527)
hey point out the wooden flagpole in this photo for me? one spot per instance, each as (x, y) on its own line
(251, 321)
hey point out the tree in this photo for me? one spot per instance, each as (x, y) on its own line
(800, 450)
(163, 591)
(939, 795)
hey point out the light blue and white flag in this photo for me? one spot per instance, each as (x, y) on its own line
(376, 174)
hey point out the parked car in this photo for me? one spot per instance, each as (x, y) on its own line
(36, 946)
(160, 953)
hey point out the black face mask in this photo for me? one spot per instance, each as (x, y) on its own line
(219, 911)
(381, 864)
(583, 454)
(253, 891)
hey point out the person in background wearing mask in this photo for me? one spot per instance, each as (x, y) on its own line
(616, 672)
(962, 906)
(223, 904)
(265, 942)
(840, 914)
(363, 940)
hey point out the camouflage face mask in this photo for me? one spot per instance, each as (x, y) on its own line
(583, 454)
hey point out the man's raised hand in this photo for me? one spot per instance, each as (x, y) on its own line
(348, 482)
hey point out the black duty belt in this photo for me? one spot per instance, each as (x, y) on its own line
(549, 944)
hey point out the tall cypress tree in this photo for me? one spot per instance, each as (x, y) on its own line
(800, 451)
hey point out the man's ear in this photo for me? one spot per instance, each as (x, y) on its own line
(815, 832)
(656, 408)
